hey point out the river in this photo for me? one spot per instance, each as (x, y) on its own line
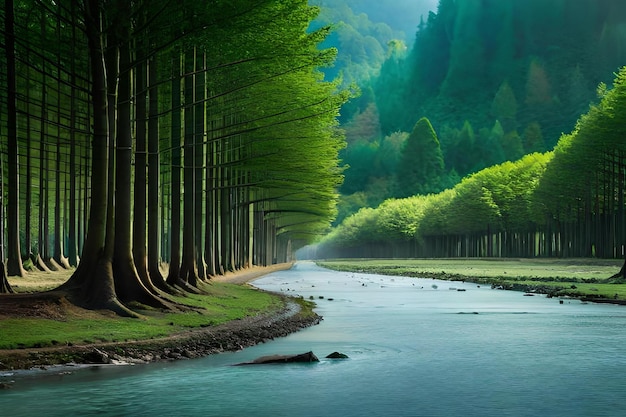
(416, 347)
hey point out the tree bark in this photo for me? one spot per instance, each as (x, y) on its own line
(74, 214)
(189, 267)
(199, 131)
(139, 250)
(175, 164)
(209, 218)
(153, 180)
(92, 284)
(128, 284)
(14, 263)
(5, 287)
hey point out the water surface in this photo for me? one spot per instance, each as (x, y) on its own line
(417, 347)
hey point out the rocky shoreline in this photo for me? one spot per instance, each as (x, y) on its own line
(231, 336)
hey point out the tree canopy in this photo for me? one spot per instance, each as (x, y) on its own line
(203, 135)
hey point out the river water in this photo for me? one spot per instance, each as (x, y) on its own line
(416, 347)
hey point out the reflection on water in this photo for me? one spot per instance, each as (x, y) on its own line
(416, 348)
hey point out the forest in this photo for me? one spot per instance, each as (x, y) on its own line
(496, 134)
(201, 136)
(568, 202)
(153, 145)
(496, 79)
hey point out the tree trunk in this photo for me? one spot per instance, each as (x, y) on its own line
(189, 267)
(210, 219)
(128, 285)
(199, 131)
(74, 212)
(5, 287)
(42, 250)
(139, 250)
(175, 164)
(14, 263)
(226, 208)
(92, 284)
(57, 257)
(153, 180)
(28, 242)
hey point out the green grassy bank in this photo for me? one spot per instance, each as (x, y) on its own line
(581, 278)
(58, 323)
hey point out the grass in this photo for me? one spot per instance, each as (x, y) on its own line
(585, 278)
(223, 302)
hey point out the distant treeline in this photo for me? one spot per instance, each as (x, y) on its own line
(569, 202)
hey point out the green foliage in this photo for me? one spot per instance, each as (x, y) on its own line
(586, 160)
(361, 42)
(241, 81)
(504, 107)
(516, 62)
(498, 198)
(390, 151)
(512, 146)
(533, 138)
(421, 163)
(399, 219)
(355, 230)
(582, 177)
(360, 158)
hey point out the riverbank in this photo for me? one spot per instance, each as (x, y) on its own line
(585, 279)
(295, 314)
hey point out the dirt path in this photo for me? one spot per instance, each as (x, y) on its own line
(247, 275)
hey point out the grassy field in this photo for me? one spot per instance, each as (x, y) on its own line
(558, 277)
(54, 324)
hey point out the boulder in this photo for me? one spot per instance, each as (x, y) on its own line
(97, 356)
(337, 355)
(302, 357)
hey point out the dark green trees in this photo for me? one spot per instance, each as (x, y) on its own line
(421, 163)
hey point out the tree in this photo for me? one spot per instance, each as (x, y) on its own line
(92, 282)
(538, 87)
(504, 107)
(253, 129)
(421, 165)
(14, 263)
(533, 139)
(512, 146)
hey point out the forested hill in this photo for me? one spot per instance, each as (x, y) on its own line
(362, 30)
(551, 54)
(497, 80)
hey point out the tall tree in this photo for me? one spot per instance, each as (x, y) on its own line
(14, 263)
(421, 165)
(92, 282)
(274, 110)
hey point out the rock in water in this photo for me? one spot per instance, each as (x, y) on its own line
(337, 355)
(302, 357)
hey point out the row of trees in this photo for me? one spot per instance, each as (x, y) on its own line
(199, 134)
(569, 202)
